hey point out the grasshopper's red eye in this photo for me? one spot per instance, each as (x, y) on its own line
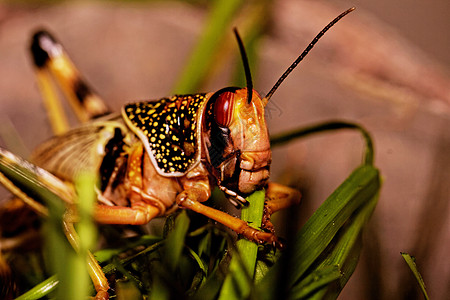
(223, 108)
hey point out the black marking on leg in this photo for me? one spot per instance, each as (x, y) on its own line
(82, 91)
(43, 46)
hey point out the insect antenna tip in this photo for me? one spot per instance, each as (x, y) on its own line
(305, 52)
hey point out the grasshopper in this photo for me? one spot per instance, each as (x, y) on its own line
(157, 156)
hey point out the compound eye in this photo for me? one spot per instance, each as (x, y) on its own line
(223, 108)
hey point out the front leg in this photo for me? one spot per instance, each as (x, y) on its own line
(197, 190)
(278, 197)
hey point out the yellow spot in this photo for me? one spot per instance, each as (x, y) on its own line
(152, 139)
(162, 136)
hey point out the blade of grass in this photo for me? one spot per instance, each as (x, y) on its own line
(195, 70)
(175, 240)
(345, 251)
(73, 270)
(35, 182)
(105, 255)
(238, 282)
(411, 262)
(50, 284)
(42, 289)
(315, 236)
(361, 186)
(316, 280)
(327, 126)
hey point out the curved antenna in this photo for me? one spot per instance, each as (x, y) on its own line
(248, 75)
(305, 52)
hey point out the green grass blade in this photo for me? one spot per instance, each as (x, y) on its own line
(327, 126)
(203, 55)
(357, 190)
(239, 280)
(104, 255)
(42, 289)
(73, 270)
(63, 260)
(316, 235)
(316, 280)
(410, 260)
(175, 240)
(346, 247)
(35, 182)
(198, 260)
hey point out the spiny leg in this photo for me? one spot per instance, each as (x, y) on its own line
(237, 225)
(95, 271)
(51, 60)
(196, 190)
(55, 111)
(137, 215)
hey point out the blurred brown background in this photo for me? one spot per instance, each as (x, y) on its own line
(385, 66)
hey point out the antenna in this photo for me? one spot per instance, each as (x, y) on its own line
(248, 75)
(305, 52)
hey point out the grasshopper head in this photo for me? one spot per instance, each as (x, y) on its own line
(236, 140)
(235, 134)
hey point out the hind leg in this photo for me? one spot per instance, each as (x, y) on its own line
(51, 60)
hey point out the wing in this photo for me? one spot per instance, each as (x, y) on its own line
(79, 150)
(169, 131)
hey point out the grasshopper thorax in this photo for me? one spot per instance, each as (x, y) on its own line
(236, 140)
